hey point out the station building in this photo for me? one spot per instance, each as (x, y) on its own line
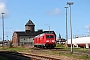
(25, 38)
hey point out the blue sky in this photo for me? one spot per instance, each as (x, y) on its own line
(45, 13)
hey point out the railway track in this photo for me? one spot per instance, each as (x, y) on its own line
(53, 49)
(37, 57)
(78, 52)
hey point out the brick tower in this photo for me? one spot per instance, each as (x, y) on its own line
(29, 26)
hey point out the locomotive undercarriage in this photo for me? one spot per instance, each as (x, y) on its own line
(45, 46)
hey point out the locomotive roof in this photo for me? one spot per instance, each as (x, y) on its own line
(43, 34)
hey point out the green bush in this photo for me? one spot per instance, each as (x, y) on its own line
(60, 45)
(11, 45)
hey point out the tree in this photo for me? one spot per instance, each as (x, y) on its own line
(59, 36)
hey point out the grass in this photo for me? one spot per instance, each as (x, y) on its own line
(80, 50)
(85, 57)
(79, 55)
(3, 58)
(18, 49)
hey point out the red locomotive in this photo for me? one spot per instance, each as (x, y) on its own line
(45, 40)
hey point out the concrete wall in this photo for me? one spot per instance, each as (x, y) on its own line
(26, 40)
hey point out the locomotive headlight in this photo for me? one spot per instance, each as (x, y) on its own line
(53, 40)
(47, 40)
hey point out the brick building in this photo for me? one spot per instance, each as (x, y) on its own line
(25, 38)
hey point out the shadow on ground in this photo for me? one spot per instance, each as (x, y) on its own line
(13, 55)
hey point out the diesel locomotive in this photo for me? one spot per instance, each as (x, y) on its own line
(45, 40)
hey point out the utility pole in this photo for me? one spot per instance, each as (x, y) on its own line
(7, 38)
(3, 30)
(66, 28)
(49, 28)
(89, 31)
(70, 3)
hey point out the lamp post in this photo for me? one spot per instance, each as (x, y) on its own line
(66, 28)
(89, 31)
(7, 38)
(77, 33)
(49, 29)
(3, 29)
(70, 3)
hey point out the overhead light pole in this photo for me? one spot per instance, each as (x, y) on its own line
(2, 30)
(70, 3)
(76, 34)
(49, 29)
(66, 28)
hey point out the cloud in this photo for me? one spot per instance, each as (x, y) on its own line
(3, 8)
(87, 26)
(56, 11)
(18, 30)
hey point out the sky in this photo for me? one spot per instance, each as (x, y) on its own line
(44, 13)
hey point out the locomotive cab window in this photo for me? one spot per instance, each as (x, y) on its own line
(49, 36)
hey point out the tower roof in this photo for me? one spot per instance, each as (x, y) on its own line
(29, 23)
